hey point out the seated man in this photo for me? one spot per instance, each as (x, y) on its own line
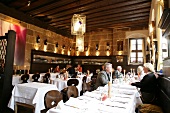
(118, 73)
(71, 70)
(104, 76)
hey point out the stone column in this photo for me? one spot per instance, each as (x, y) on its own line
(159, 34)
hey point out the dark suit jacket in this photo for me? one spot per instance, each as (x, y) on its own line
(102, 79)
(148, 84)
(118, 74)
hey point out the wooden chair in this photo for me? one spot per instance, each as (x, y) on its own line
(70, 91)
(51, 99)
(23, 105)
(46, 78)
(71, 82)
(24, 78)
(35, 77)
(84, 79)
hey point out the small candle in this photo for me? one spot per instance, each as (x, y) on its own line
(131, 70)
(111, 77)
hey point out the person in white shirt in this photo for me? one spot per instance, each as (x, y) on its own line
(140, 73)
(118, 73)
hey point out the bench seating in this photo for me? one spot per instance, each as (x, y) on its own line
(163, 100)
(164, 94)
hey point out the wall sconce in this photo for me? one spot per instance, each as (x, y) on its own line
(45, 42)
(107, 53)
(64, 47)
(77, 48)
(70, 49)
(97, 53)
(87, 53)
(56, 48)
(37, 44)
(45, 45)
(86, 48)
(120, 52)
(107, 46)
(56, 45)
(97, 46)
(38, 39)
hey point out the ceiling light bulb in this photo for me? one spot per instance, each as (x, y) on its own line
(29, 2)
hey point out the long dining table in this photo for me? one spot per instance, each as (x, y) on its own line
(124, 99)
(30, 93)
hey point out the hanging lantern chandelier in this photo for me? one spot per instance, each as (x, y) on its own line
(80, 42)
(78, 24)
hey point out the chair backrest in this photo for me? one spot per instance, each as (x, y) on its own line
(35, 77)
(24, 78)
(84, 79)
(47, 75)
(86, 87)
(45, 79)
(72, 91)
(52, 98)
(71, 82)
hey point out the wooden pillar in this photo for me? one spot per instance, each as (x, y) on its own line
(8, 70)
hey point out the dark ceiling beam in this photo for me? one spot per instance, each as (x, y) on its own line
(35, 5)
(93, 5)
(77, 5)
(26, 18)
(112, 17)
(133, 23)
(125, 13)
(73, 5)
(120, 21)
(142, 21)
(105, 13)
(110, 21)
(53, 5)
(97, 11)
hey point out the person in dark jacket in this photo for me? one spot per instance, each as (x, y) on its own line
(118, 72)
(148, 85)
(71, 70)
(104, 76)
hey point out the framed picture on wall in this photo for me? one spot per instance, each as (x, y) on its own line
(119, 45)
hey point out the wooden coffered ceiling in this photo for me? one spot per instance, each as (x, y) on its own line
(100, 14)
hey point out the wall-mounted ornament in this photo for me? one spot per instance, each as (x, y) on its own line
(119, 45)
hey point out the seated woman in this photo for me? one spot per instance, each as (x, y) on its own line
(57, 69)
(148, 85)
(79, 68)
(140, 73)
(88, 73)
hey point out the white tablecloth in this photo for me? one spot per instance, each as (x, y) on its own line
(61, 84)
(30, 93)
(123, 100)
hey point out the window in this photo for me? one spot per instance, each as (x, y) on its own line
(164, 48)
(136, 50)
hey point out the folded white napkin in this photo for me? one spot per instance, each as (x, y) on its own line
(60, 105)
